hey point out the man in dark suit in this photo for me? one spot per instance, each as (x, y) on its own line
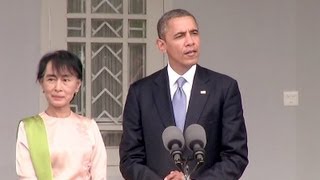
(213, 101)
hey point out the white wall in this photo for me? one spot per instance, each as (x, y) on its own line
(308, 73)
(268, 45)
(20, 52)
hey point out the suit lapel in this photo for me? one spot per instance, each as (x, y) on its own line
(199, 96)
(161, 95)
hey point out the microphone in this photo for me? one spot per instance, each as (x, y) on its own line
(173, 141)
(196, 141)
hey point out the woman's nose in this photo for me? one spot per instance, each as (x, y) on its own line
(58, 86)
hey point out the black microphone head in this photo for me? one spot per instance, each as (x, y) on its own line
(173, 139)
(195, 137)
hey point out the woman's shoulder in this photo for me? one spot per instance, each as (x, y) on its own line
(84, 119)
(80, 117)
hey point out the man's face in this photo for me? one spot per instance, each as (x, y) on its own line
(181, 43)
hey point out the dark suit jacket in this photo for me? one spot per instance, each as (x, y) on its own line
(148, 111)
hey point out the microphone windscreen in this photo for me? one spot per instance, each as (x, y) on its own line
(195, 134)
(172, 137)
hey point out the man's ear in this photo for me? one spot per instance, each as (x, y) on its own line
(161, 45)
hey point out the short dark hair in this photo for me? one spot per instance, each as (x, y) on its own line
(61, 60)
(163, 21)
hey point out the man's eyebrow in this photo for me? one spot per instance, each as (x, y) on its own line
(194, 30)
(180, 33)
(184, 32)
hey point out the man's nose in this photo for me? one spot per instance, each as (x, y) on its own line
(189, 39)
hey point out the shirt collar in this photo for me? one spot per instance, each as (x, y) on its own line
(173, 76)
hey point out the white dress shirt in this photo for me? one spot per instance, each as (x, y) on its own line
(188, 76)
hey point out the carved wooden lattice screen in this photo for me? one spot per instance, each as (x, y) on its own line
(110, 38)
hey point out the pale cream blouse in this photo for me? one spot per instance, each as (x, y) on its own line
(76, 148)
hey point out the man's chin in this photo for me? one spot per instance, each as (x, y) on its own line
(192, 62)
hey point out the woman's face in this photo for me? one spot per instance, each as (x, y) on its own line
(59, 88)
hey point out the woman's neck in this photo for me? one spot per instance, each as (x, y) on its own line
(59, 113)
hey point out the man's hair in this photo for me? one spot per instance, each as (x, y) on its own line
(175, 13)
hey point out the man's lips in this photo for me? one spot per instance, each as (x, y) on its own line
(190, 52)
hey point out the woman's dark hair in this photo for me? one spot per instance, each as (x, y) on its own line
(61, 60)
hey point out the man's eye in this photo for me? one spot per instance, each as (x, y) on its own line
(178, 36)
(195, 32)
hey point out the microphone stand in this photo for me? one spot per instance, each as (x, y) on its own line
(186, 172)
(184, 167)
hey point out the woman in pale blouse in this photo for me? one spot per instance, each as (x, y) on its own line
(76, 147)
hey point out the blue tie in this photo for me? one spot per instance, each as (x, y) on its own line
(179, 102)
